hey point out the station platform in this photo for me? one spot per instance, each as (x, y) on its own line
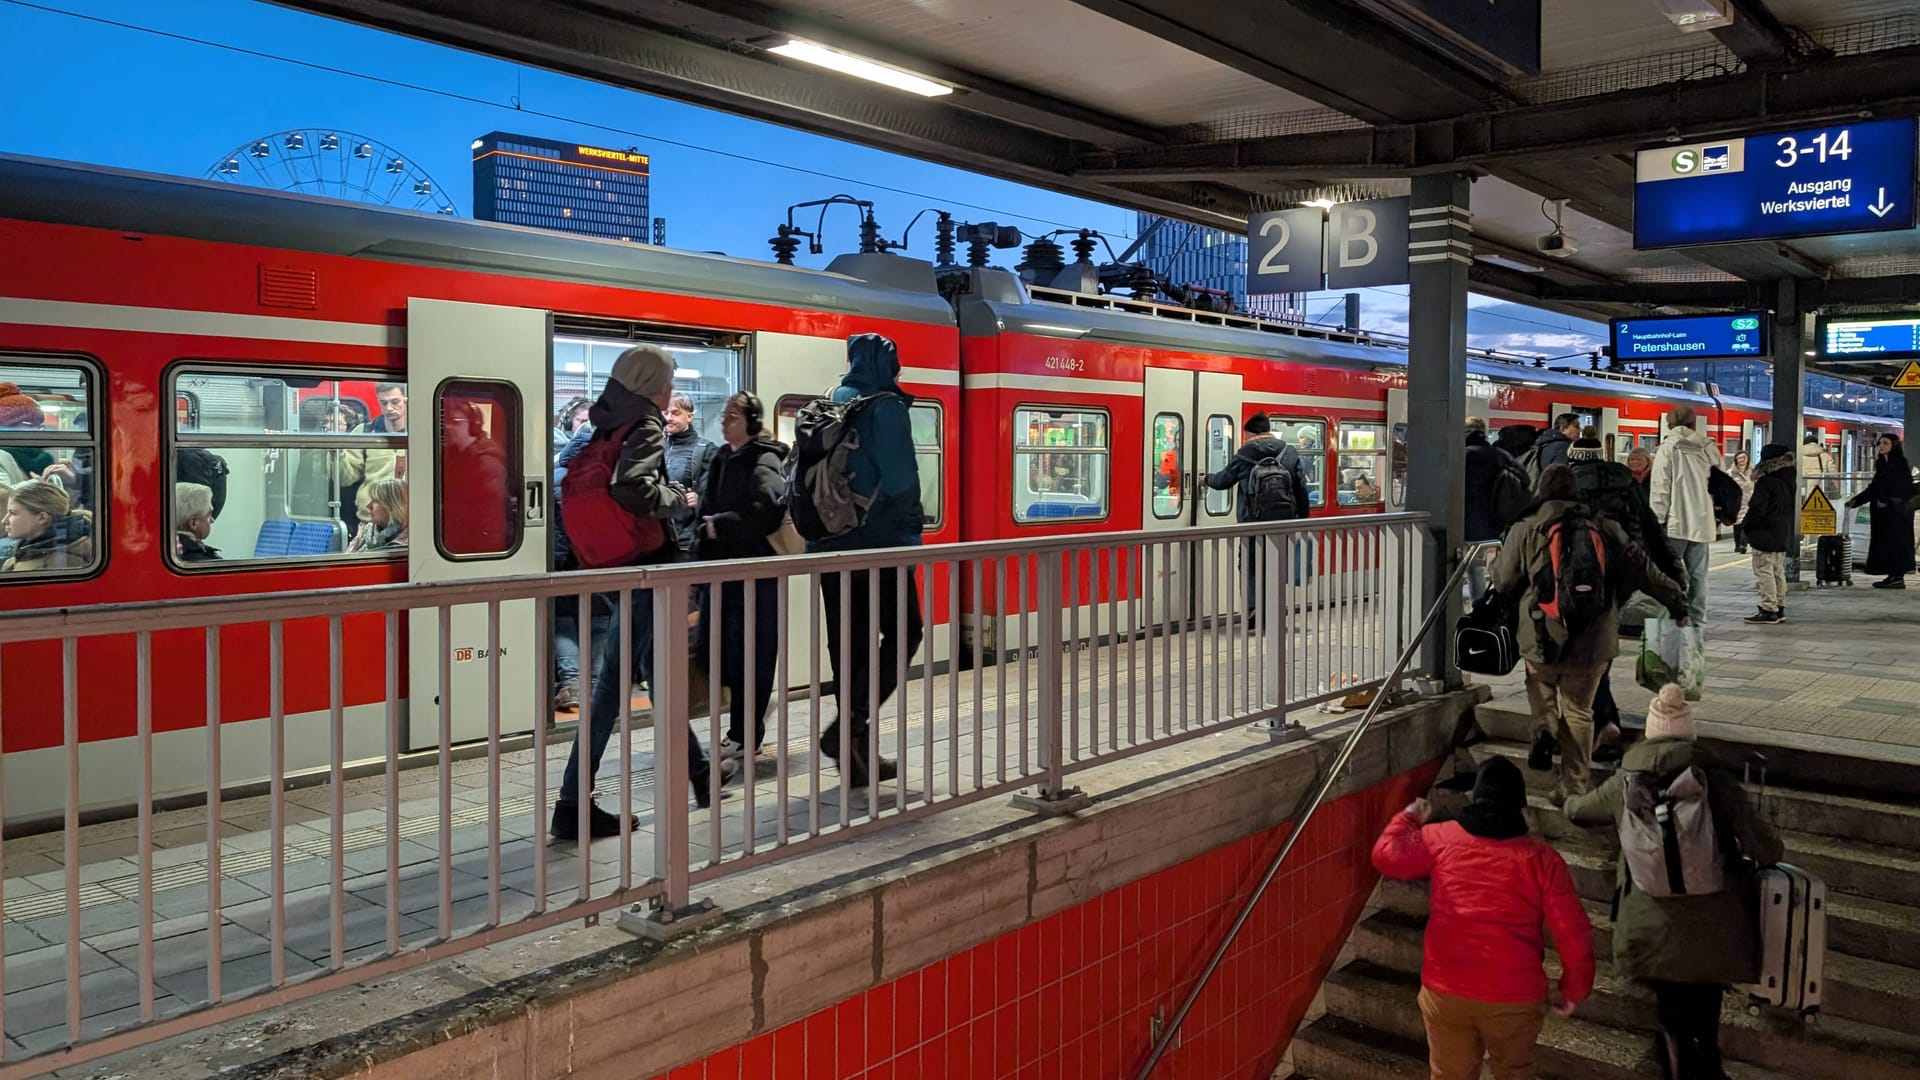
(1840, 676)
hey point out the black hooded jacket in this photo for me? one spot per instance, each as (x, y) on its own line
(742, 500)
(1770, 510)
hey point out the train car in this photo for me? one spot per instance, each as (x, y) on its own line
(316, 348)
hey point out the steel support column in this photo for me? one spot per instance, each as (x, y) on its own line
(1789, 386)
(1437, 379)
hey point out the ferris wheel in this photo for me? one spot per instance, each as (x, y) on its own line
(332, 164)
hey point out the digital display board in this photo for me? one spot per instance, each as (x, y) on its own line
(1847, 178)
(1871, 336)
(1691, 337)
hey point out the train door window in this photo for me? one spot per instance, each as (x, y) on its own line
(1398, 490)
(291, 460)
(1650, 443)
(928, 450)
(1220, 451)
(49, 469)
(1610, 445)
(1361, 463)
(1309, 439)
(1169, 465)
(1059, 464)
(476, 504)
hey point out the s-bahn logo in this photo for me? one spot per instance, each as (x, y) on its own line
(1704, 159)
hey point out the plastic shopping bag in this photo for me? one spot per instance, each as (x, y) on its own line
(1670, 653)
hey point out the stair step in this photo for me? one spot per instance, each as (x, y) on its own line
(1336, 1047)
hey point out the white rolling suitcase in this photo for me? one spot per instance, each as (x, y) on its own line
(1793, 941)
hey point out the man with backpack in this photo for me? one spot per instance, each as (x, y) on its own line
(1551, 448)
(618, 505)
(853, 483)
(1496, 492)
(1684, 920)
(1273, 487)
(1566, 567)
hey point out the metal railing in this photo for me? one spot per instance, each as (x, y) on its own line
(1446, 597)
(327, 787)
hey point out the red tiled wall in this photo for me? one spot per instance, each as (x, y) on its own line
(1072, 995)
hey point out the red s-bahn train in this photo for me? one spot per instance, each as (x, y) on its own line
(316, 348)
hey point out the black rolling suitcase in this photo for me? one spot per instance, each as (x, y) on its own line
(1833, 561)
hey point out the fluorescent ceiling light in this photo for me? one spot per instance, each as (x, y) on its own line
(1512, 264)
(686, 373)
(1691, 15)
(1320, 203)
(860, 68)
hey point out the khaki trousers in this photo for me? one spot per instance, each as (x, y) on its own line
(1461, 1033)
(1561, 696)
(1770, 578)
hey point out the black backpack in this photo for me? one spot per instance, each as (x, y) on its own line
(820, 497)
(1270, 489)
(1511, 496)
(1484, 639)
(192, 465)
(1572, 589)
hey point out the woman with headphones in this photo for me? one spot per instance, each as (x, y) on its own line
(741, 508)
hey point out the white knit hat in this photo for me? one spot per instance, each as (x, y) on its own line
(1669, 716)
(644, 369)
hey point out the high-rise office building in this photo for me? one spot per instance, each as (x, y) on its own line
(590, 190)
(1186, 254)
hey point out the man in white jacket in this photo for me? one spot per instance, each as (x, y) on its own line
(1680, 500)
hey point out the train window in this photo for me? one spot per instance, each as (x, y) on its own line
(477, 497)
(1399, 487)
(927, 449)
(1220, 451)
(706, 375)
(1169, 465)
(1059, 464)
(1309, 438)
(291, 460)
(1361, 463)
(49, 483)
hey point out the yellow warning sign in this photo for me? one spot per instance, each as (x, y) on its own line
(1909, 377)
(1817, 516)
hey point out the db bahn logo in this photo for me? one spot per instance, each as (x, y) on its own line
(467, 655)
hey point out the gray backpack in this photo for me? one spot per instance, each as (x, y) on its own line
(1667, 837)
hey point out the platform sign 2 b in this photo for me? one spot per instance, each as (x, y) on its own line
(1286, 250)
(1849, 178)
(1352, 245)
(1817, 515)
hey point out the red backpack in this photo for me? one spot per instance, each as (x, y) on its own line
(604, 533)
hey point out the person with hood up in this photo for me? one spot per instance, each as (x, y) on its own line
(1261, 445)
(48, 533)
(629, 408)
(885, 475)
(741, 508)
(1769, 527)
(1563, 672)
(1681, 500)
(1890, 546)
(1497, 894)
(1688, 948)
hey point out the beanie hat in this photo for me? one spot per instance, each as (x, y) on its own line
(1498, 782)
(1774, 450)
(1585, 448)
(1669, 716)
(17, 410)
(644, 369)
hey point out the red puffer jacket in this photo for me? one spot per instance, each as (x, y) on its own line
(1493, 902)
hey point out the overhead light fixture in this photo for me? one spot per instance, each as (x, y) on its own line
(1322, 203)
(686, 373)
(1512, 264)
(1692, 15)
(860, 68)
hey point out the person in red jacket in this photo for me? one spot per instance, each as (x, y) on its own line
(1483, 991)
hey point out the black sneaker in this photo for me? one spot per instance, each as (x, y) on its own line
(600, 823)
(702, 782)
(1762, 616)
(1891, 583)
(1540, 755)
(1608, 744)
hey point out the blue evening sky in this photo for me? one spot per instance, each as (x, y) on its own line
(174, 87)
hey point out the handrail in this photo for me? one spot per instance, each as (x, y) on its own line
(1313, 803)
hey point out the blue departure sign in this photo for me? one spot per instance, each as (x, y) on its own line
(1844, 179)
(1691, 337)
(1890, 337)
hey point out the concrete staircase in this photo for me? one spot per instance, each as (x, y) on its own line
(1867, 850)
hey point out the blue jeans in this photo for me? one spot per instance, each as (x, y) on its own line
(566, 633)
(603, 715)
(1693, 558)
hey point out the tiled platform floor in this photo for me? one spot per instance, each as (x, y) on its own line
(1841, 674)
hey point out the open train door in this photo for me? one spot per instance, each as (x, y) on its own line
(479, 439)
(1193, 426)
(1605, 419)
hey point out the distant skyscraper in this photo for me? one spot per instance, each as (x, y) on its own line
(1186, 254)
(590, 190)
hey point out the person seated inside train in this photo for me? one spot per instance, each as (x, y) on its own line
(193, 523)
(48, 532)
(7, 543)
(386, 524)
(1365, 490)
(358, 469)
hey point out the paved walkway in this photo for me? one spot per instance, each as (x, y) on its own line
(1842, 674)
